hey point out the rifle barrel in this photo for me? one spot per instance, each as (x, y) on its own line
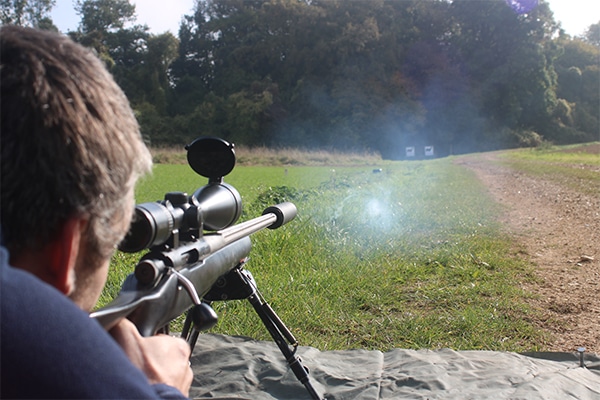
(273, 217)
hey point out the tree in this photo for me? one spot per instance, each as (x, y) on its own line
(592, 34)
(104, 15)
(100, 22)
(138, 60)
(33, 13)
(161, 51)
(578, 72)
(504, 55)
(103, 28)
(461, 75)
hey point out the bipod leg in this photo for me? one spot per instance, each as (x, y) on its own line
(239, 284)
(279, 332)
(189, 332)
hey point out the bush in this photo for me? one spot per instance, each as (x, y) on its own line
(527, 138)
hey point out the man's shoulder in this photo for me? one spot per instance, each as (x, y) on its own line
(38, 317)
(51, 348)
(24, 294)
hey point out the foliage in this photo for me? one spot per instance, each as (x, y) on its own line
(104, 15)
(592, 34)
(33, 13)
(578, 70)
(377, 75)
(139, 61)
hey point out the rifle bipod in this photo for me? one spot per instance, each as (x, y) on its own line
(239, 284)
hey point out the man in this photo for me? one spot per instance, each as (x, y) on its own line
(71, 154)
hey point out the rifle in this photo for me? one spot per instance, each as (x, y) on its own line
(197, 256)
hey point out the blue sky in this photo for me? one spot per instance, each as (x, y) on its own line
(161, 16)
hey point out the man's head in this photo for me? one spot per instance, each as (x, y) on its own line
(71, 152)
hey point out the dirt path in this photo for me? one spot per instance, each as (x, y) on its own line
(559, 231)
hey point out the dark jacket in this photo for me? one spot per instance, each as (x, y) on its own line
(50, 348)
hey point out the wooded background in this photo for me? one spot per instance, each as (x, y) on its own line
(374, 75)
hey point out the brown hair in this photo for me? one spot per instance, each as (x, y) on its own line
(70, 143)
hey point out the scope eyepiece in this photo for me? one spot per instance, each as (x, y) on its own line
(152, 225)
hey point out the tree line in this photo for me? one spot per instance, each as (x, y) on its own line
(375, 75)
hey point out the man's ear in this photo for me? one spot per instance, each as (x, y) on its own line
(62, 255)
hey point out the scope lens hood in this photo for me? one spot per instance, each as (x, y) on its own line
(211, 157)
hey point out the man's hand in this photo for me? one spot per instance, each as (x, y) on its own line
(163, 358)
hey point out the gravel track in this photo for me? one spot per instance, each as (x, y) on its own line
(557, 229)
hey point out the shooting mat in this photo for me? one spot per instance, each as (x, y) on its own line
(231, 367)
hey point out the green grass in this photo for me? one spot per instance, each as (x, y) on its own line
(410, 257)
(578, 167)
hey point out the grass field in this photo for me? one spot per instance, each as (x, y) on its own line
(577, 166)
(409, 256)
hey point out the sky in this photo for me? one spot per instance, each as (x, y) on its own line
(575, 16)
(159, 15)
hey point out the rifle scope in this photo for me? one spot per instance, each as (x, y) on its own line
(214, 206)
